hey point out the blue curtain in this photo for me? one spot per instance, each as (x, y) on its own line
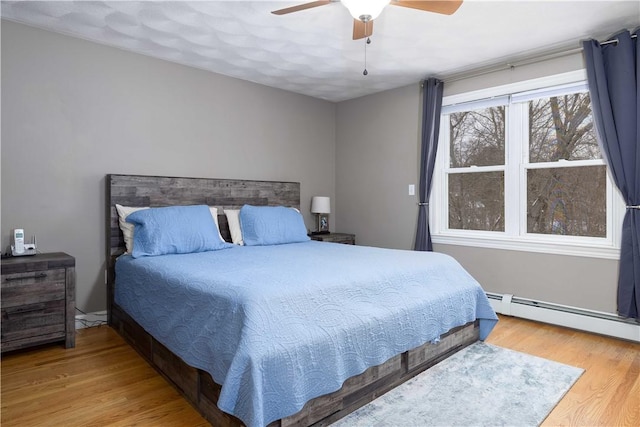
(431, 108)
(613, 74)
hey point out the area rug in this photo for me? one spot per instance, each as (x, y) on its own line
(481, 385)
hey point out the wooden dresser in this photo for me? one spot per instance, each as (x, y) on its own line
(346, 238)
(38, 300)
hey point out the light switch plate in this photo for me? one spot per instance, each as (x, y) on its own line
(412, 190)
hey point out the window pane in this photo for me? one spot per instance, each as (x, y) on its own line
(476, 201)
(561, 127)
(567, 201)
(477, 137)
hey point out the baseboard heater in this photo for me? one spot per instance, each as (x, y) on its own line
(562, 315)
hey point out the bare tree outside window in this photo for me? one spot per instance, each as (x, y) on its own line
(566, 182)
(561, 128)
(476, 201)
(476, 198)
(477, 137)
(565, 200)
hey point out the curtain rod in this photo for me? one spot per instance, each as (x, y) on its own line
(511, 65)
(633, 36)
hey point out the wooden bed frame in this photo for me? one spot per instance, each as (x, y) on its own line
(196, 385)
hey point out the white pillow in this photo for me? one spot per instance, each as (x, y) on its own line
(233, 218)
(127, 228)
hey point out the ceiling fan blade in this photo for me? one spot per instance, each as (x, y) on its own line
(301, 7)
(362, 30)
(445, 7)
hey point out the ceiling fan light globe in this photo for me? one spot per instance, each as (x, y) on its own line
(368, 8)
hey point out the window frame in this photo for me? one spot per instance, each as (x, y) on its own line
(515, 235)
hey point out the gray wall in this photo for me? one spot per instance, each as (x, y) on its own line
(377, 157)
(377, 150)
(73, 111)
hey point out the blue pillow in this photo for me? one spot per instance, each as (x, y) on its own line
(174, 230)
(271, 225)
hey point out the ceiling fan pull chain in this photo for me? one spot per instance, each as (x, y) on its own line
(365, 72)
(367, 41)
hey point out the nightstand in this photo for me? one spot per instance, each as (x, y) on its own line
(38, 300)
(346, 238)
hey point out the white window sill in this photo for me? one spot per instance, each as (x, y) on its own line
(540, 245)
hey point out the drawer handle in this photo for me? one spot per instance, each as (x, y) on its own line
(24, 309)
(35, 276)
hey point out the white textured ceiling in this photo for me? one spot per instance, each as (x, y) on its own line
(311, 52)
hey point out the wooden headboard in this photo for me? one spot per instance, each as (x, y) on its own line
(156, 191)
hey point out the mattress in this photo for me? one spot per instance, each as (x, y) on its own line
(279, 325)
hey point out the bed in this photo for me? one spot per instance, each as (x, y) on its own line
(297, 375)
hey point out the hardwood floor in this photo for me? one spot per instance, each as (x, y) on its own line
(607, 393)
(103, 382)
(100, 382)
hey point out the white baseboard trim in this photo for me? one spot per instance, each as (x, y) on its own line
(89, 320)
(570, 317)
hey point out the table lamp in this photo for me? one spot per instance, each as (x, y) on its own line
(321, 206)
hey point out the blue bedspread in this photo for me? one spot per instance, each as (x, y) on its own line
(279, 325)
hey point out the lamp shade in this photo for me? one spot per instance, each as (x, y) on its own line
(321, 205)
(369, 8)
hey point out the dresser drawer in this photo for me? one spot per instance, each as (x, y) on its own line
(344, 238)
(33, 287)
(346, 241)
(43, 321)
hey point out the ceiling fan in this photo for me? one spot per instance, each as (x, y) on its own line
(365, 11)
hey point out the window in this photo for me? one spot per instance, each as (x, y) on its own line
(523, 170)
